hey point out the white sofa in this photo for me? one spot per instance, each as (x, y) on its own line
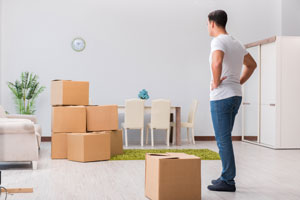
(19, 139)
(32, 118)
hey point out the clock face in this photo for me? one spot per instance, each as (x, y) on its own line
(78, 44)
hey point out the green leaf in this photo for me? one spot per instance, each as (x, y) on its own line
(25, 92)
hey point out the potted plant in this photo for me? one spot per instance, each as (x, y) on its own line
(25, 92)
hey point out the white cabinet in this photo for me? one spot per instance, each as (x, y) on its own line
(272, 94)
(250, 108)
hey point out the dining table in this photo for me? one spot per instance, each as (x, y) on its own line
(175, 113)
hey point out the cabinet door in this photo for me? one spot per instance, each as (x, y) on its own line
(268, 74)
(289, 92)
(251, 101)
(250, 122)
(268, 94)
(268, 125)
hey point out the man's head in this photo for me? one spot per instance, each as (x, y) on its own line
(216, 22)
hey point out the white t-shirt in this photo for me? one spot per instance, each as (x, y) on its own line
(234, 53)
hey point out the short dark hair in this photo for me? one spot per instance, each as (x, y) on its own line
(219, 17)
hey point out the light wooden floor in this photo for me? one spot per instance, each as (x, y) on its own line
(262, 174)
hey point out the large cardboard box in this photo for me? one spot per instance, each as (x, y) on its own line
(116, 142)
(175, 176)
(65, 92)
(85, 147)
(68, 119)
(102, 118)
(59, 146)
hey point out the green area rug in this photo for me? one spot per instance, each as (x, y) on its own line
(139, 154)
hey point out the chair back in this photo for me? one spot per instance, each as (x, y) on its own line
(160, 114)
(192, 112)
(134, 113)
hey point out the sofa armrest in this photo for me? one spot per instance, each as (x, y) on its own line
(19, 116)
(16, 126)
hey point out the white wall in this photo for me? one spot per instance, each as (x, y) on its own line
(290, 17)
(159, 45)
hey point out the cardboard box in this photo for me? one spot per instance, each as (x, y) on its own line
(59, 145)
(85, 147)
(175, 176)
(116, 142)
(69, 92)
(102, 118)
(69, 119)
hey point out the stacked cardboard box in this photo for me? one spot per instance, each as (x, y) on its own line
(81, 132)
(68, 99)
(88, 146)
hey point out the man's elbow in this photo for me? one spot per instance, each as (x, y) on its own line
(255, 65)
(252, 66)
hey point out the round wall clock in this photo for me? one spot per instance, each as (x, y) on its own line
(78, 44)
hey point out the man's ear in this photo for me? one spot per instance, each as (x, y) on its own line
(212, 24)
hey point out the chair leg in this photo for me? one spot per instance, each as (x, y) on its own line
(193, 135)
(152, 137)
(126, 138)
(147, 134)
(188, 134)
(34, 165)
(142, 137)
(174, 135)
(168, 137)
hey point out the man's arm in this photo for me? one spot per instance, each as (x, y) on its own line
(216, 66)
(250, 66)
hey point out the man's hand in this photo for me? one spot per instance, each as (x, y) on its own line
(213, 86)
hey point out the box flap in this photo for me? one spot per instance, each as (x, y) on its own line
(68, 106)
(90, 105)
(162, 156)
(76, 106)
(60, 80)
(100, 132)
(183, 155)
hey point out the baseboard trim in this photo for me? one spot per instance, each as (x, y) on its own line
(46, 139)
(212, 138)
(197, 138)
(251, 138)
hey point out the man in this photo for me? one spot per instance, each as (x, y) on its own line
(227, 58)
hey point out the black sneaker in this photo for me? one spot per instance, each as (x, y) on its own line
(214, 182)
(222, 186)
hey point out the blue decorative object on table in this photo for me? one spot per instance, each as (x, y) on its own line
(143, 94)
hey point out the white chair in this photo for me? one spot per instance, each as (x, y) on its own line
(160, 118)
(190, 124)
(134, 117)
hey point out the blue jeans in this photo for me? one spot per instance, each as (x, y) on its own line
(223, 113)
